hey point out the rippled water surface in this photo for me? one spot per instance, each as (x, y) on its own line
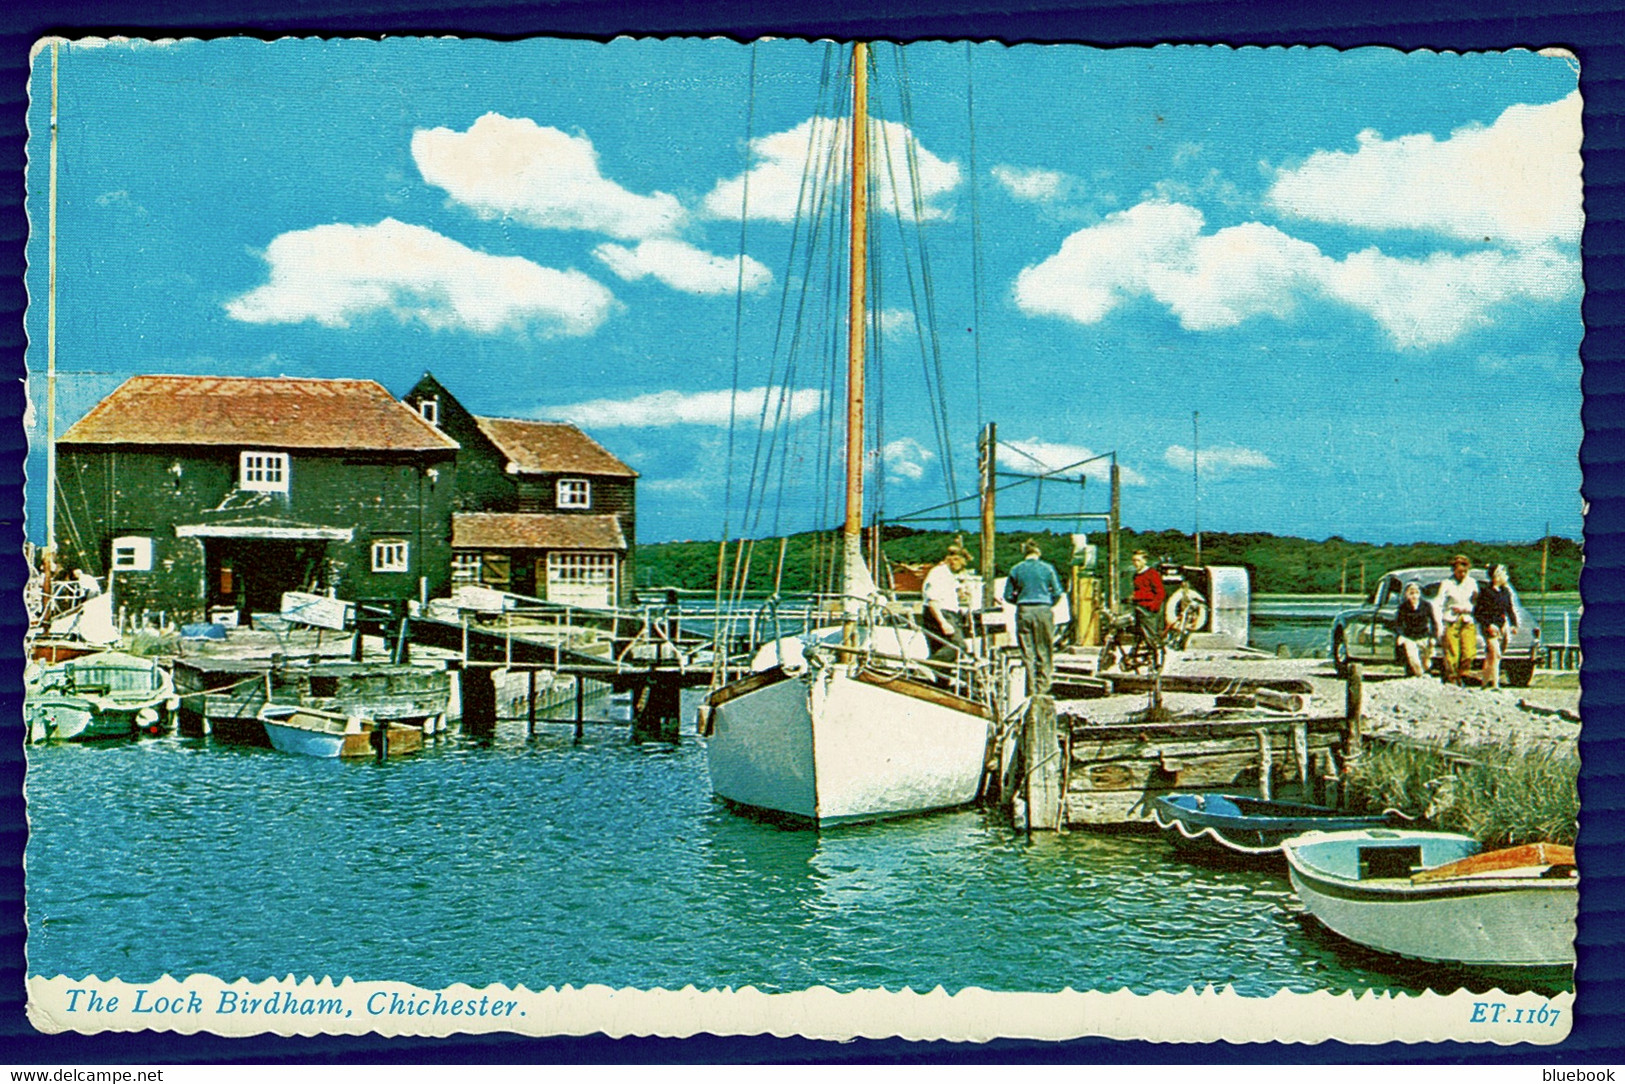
(541, 861)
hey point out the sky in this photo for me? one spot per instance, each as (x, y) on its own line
(1299, 291)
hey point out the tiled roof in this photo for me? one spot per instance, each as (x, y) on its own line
(551, 448)
(281, 412)
(535, 531)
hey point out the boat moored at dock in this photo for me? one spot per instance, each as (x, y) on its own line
(106, 695)
(314, 732)
(1243, 825)
(1439, 897)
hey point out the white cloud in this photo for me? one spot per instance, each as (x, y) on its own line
(1033, 185)
(1516, 181)
(779, 161)
(539, 176)
(1217, 461)
(906, 459)
(683, 267)
(1218, 280)
(714, 408)
(336, 273)
(1038, 456)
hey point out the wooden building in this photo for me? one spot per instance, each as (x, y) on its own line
(542, 509)
(210, 496)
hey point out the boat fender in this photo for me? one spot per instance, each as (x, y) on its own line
(702, 721)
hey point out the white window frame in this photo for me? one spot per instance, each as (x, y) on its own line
(263, 472)
(582, 568)
(429, 411)
(573, 493)
(391, 555)
(132, 553)
(466, 567)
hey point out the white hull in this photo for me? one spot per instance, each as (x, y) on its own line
(830, 746)
(1483, 921)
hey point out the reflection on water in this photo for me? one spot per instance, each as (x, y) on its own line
(544, 861)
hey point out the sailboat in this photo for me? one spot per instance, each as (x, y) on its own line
(851, 727)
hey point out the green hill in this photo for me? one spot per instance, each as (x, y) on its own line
(1279, 565)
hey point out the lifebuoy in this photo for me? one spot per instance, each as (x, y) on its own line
(1185, 610)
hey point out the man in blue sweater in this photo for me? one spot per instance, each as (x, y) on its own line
(1034, 588)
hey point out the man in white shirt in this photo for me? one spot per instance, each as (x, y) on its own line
(944, 615)
(1457, 596)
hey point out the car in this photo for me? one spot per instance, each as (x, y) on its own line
(1367, 634)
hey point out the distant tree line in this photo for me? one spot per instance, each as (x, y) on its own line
(1277, 564)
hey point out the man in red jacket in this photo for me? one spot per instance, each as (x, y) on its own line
(1148, 597)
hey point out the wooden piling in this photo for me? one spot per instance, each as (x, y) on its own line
(530, 705)
(479, 689)
(1354, 707)
(1042, 753)
(1266, 789)
(581, 705)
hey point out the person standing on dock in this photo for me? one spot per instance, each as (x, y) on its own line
(1416, 626)
(1034, 588)
(1149, 597)
(1498, 618)
(944, 604)
(1458, 598)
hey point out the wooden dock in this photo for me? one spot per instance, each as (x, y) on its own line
(1105, 767)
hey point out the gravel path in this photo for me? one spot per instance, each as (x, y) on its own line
(1421, 709)
(1425, 709)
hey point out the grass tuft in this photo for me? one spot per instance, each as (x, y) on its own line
(1496, 796)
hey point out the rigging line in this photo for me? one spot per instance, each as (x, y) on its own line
(797, 338)
(912, 155)
(808, 177)
(975, 233)
(739, 294)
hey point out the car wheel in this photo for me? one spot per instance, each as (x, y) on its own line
(1340, 652)
(1519, 672)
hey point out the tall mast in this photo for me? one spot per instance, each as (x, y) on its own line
(852, 531)
(50, 345)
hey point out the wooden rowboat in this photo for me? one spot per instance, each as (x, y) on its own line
(315, 732)
(1439, 897)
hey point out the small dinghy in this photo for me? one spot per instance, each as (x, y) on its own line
(1439, 897)
(315, 732)
(1238, 824)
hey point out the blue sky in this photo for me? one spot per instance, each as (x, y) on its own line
(1360, 268)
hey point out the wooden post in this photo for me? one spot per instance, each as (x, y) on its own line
(479, 701)
(1354, 706)
(1043, 776)
(989, 493)
(530, 704)
(581, 705)
(1300, 748)
(1113, 525)
(1266, 789)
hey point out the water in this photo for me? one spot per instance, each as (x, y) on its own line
(541, 861)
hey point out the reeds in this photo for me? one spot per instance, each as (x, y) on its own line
(1496, 795)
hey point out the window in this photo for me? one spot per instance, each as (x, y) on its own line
(496, 570)
(465, 567)
(132, 553)
(595, 569)
(389, 555)
(430, 410)
(575, 493)
(264, 472)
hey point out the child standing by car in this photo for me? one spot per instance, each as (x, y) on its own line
(1498, 618)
